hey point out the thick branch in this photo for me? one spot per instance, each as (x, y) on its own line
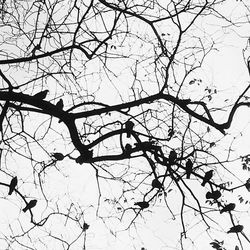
(49, 109)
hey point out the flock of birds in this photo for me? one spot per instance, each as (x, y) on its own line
(215, 195)
(129, 125)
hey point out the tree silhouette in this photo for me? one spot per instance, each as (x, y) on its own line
(109, 113)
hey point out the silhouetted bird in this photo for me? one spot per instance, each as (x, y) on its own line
(142, 204)
(30, 205)
(216, 245)
(156, 183)
(41, 95)
(59, 104)
(208, 195)
(128, 149)
(213, 195)
(13, 184)
(189, 168)
(85, 226)
(229, 207)
(235, 229)
(58, 156)
(172, 157)
(207, 177)
(129, 127)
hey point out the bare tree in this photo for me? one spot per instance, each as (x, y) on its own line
(106, 114)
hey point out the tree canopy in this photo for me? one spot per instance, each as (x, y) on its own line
(119, 123)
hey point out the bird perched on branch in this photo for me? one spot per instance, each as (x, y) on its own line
(156, 184)
(172, 157)
(41, 95)
(129, 127)
(142, 204)
(59, 104)
(58, 156)
(213, 195)
(85, 226)
(12, 186)
(30, 205)
(228, 208)
(208, 175)
(189, 168)
(235, 229)
(127, 149)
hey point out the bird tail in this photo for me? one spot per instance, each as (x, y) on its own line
(25, 209)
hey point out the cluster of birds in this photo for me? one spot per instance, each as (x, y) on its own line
(189, 168)
(129, 125)
(12, 187)
(215, 195)
(189, 165)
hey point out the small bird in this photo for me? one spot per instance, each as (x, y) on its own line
(30, 205)
(216, 245)
(156, 184)
(228, 208)
(213, 195)
(129, 127)
(128, 149)
(142, 204)
(235, 229)
(58, 156)
(172, 157)
(189, 168)
(13, 184)
(85, 226)
(41, 95)
(207, 177)
(59, 104)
